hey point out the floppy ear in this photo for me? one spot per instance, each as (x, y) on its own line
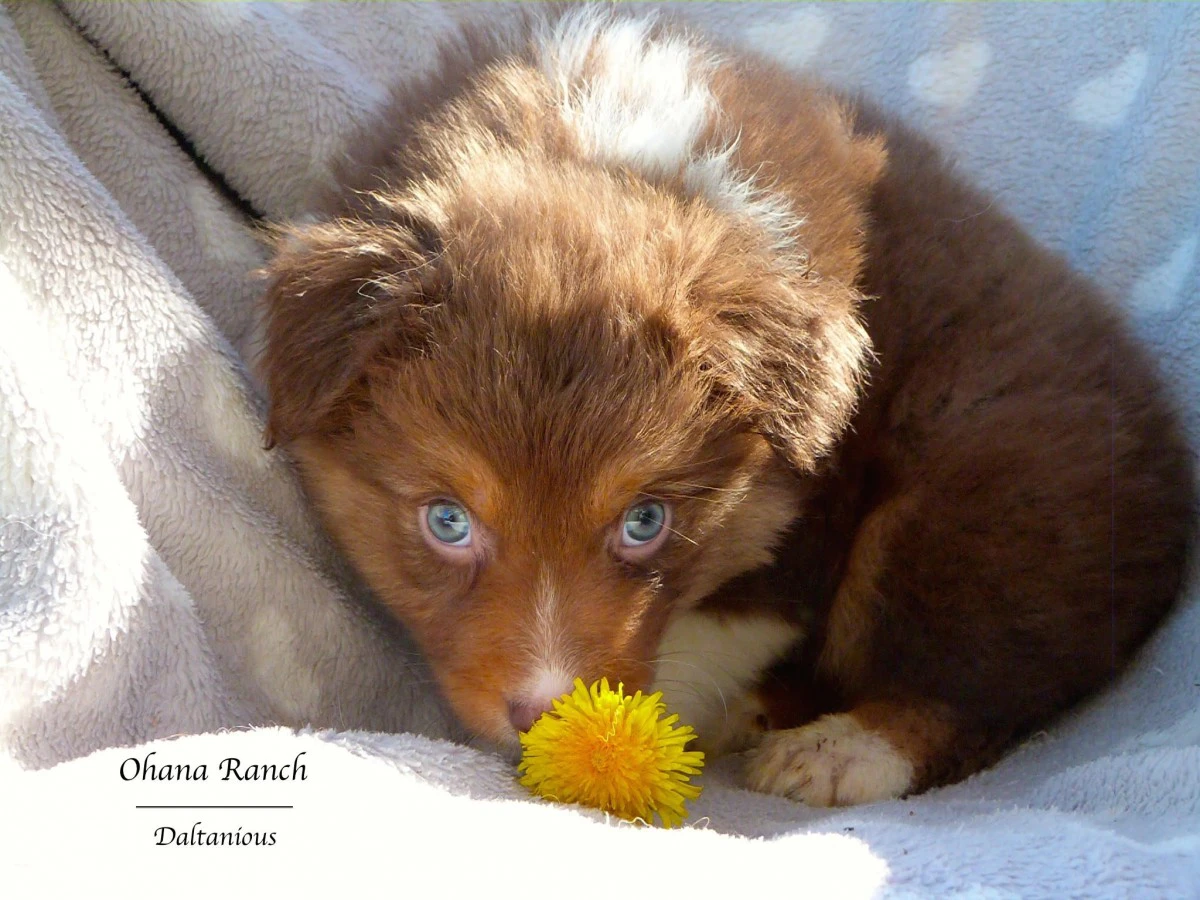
(341, 296)
(791, 361)
(787, 348)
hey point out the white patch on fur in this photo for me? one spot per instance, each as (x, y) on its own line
(632, 100)
(548, 683)
(643, 101)
(711, 175)
(706, 666)
(833, 761)
(551, 672)
(545, 629)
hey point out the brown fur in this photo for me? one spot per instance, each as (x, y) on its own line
(507, 323)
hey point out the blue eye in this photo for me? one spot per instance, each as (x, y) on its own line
(449, 523)
(643, 523)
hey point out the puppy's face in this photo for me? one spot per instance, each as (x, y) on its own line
(544, 420)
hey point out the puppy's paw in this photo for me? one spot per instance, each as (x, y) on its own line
(833, 761)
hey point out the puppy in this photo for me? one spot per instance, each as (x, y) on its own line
(618, 353)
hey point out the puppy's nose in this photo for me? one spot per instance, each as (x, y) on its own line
(523, 713)
(536, 695)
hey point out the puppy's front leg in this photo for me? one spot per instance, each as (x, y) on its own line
(880, 738)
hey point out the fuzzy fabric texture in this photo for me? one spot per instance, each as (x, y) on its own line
(160, 573)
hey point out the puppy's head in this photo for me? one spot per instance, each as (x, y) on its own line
(541, 417)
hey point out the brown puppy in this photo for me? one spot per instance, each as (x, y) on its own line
(620, 354)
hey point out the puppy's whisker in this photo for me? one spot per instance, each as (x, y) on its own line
(688, 688)
(689, 497)
(712, 488)
(680, 534)
(669, 655)
(716, 685)
(684, 688)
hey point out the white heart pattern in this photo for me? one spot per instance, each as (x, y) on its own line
(951, 77)
(1104, 101)
(794, 41)
(1160, 290)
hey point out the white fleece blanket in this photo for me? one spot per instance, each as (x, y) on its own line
(160, 574)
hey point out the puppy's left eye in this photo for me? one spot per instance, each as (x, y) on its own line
(643, 523)
(643, 529)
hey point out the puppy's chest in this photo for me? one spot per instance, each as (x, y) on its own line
(742, 656)
(709, 664)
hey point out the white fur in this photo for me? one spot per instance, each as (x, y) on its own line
(642, 100)
(707, 664)
(547, 650)
(551, 675)
(632, 100)
(711, 175)
(547, 683)
(833, 761)
(545, 629)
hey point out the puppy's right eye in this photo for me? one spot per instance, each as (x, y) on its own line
(446, 526)
(449, 523)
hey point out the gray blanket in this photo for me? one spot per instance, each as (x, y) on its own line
(161, 575)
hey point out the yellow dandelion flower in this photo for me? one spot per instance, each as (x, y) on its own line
(602, 748)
